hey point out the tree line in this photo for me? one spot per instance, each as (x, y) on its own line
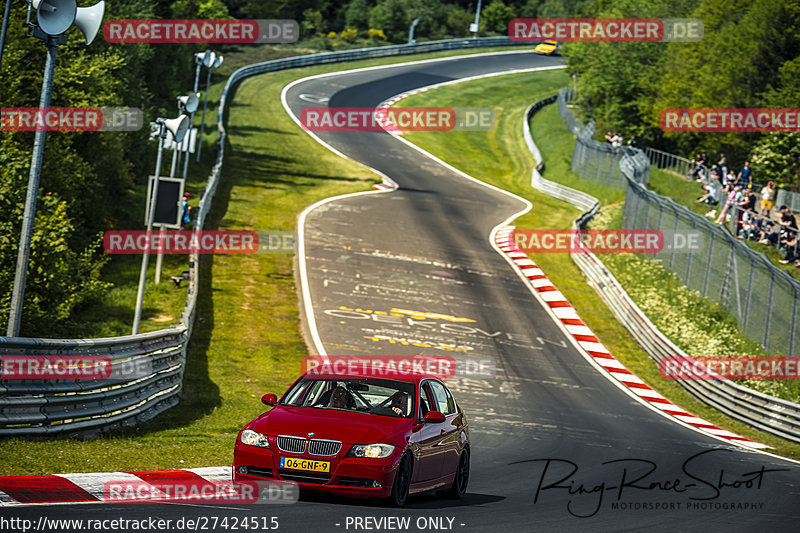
(749, 57)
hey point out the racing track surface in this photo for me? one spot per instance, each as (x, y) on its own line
(425, 248)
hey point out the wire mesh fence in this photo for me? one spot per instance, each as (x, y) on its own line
(704, 256)
(594, 160)
(759, 295)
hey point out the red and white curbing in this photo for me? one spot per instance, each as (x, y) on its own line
(564, 311)
(387, 184)
(88, 488)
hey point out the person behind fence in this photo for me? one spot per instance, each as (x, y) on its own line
(768, 236)
(767, 199)
(185, 209)
(694, 168)
(710, 197)
(789, 247)
(753, 227)
(723, 163)
(745, 176)
(787, 219)
(734, 196)
(616, 142)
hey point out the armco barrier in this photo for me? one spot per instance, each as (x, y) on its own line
(763, 412)
(43, 407)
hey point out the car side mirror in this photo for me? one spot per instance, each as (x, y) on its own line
(433, 417)
(269, 399)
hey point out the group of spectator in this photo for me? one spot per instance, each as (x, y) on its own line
(754, 224)
(720, 171)
(616, 141)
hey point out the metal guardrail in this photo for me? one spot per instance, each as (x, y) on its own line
(766, 413)
(89, 407)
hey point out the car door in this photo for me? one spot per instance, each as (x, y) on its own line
(428, 452)
(450, 430)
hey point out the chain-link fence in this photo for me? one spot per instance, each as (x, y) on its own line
(594, 160)
(760, 296)
(706, 257)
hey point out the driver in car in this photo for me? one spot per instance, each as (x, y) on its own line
(399, 402)
(338, 398)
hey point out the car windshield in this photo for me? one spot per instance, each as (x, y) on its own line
(384, 397)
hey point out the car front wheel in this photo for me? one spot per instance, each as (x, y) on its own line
(402, 482)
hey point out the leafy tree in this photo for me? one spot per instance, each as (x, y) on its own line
(530, 9)
(776, 157)
(496, 16)
(313, 22)
(390, 16)
(357, 14)
(458, 21)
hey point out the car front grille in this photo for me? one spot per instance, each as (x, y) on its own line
(293, 444)
(324, 447)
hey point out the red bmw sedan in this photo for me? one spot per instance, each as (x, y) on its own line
(359, 436)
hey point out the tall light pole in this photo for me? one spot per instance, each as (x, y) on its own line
(186, 104)
(177, 127)
(411, 31)
(53, 19)
(4, 29)
(216, 63)
(200, 59)
(477, 23)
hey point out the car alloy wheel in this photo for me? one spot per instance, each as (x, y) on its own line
(402, 482)
(461, 479)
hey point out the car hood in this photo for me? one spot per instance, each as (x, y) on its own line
(348, 427)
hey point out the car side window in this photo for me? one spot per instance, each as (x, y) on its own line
(426, 400)
(444, 400)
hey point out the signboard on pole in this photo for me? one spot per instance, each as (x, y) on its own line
(168, 203)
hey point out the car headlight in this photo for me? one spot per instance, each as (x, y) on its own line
(373, 451)
(254, 438)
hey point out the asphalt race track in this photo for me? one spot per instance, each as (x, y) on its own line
(413, 272)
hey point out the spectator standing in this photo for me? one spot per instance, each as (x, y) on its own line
(185, 209)
(767, 199)
(745, 176)
(751, 199)
(723, 163)
(734, 196)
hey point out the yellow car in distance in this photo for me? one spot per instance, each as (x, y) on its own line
(547, 48)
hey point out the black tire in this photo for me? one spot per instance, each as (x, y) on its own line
(460, 482)
(402, 482)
